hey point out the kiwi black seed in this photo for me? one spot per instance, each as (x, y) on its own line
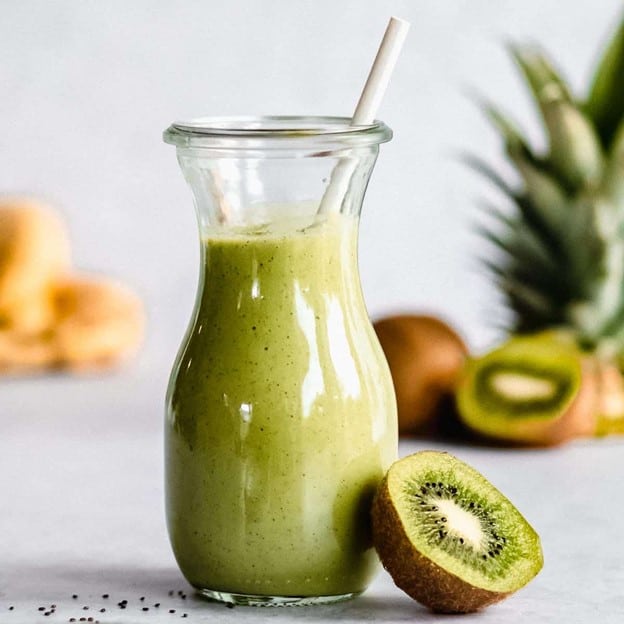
(448, 537)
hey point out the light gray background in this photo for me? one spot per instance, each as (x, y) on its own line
(88, 87)
(86, 90)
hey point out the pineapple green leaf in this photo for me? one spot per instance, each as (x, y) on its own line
(533, 220)
(492, 216)
(530, 221)
(490, 210)
(481, 167)
(575, 149)
(514, 141)
(613, 181)
(605, 103)
(524, 296)
(524, 250)
(547, 199)
(493, 238)
(531, 299)
(541, 223)
(529, 251)
(545, 82)
(495, 270)
(543, 281)
(545, 192)
(586, 251)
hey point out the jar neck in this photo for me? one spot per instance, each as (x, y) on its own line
(235, 191)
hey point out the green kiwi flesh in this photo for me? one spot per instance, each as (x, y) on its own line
(448, 537)
(521, 391)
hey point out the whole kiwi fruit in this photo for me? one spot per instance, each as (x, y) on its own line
(448, 537)
(425, 356)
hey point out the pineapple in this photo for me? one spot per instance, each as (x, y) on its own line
(559, 253)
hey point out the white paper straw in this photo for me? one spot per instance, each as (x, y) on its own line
(380, 72)
(368, 104)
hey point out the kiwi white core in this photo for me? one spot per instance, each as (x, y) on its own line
(461, 522)
(519, 387)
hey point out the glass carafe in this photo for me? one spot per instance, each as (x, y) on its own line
(280, 416)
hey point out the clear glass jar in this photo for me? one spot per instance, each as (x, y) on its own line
(280, 417)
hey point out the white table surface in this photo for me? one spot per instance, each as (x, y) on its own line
(82, 513)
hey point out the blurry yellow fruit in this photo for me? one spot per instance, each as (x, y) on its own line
(32, 315)
(98, 322)
(21, 353)
(34, 251)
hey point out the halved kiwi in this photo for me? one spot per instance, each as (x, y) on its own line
(448, 537)
(530, 391)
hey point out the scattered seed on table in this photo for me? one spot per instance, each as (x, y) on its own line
(74, 596)
(171, 610)
(85, 608)
(171, 592)
(102, 610)
(142, 598)
(104, 596)
(41, 609)
(145, 608)
(52, 606)
(11, 608)
(72, 619)
(157, 605)
(185, 615)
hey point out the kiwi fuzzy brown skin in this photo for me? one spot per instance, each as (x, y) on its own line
(415, 574)
(425, 357)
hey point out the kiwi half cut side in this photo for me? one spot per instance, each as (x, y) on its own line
(529, 391)
(448, 537)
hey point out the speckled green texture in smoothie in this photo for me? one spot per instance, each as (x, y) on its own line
(281, 418)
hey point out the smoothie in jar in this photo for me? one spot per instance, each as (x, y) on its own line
(281, 418)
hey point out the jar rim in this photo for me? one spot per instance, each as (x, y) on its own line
(274, 131)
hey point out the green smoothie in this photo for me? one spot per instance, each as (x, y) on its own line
(281, 418)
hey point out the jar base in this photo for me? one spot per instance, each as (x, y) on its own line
(254, 600)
